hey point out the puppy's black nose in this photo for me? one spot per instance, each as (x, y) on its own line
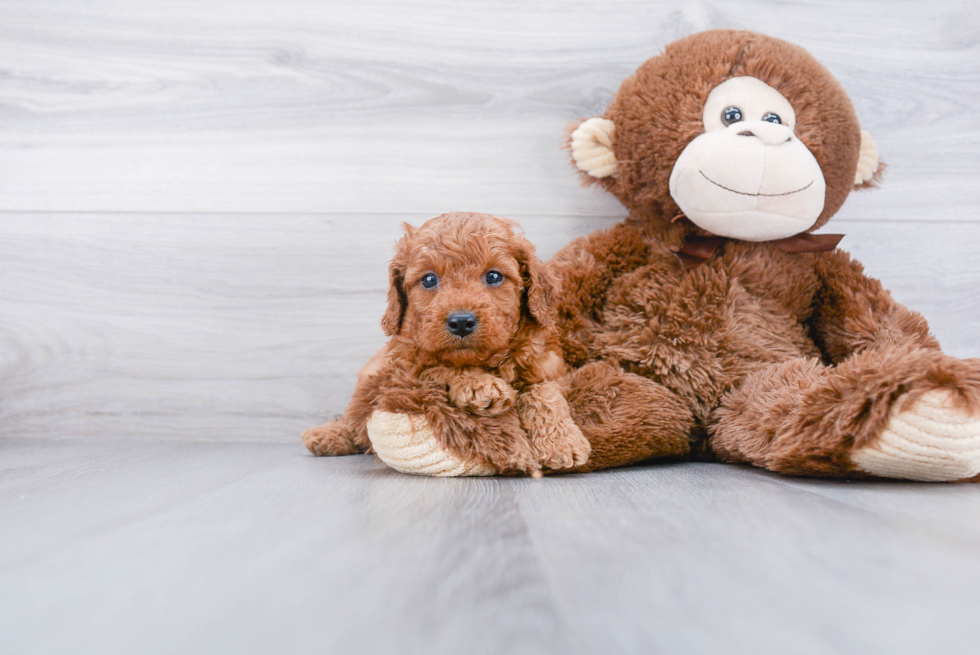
(461, 323)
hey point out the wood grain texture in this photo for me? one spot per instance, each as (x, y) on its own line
(250, 327)
(119, 547)
(197, 204)
(311, 106)
(197, 200)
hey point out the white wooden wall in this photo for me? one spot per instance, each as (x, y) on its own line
(198, 198)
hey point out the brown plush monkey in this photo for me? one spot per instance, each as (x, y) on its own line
(773, 347)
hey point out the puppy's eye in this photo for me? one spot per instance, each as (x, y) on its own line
(430, 280)
(493, 278)
(731, 115)
(773, 118)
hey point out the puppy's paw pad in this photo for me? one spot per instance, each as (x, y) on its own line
(929, 439)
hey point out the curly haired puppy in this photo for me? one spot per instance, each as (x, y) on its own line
(473, 348)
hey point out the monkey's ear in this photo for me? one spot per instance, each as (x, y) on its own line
(592, 148)
(391, 322)
(869, 165)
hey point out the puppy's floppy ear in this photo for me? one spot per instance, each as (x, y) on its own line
(391, 322)
(539, 283)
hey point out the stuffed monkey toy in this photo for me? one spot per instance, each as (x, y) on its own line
(712, 323)
(729, 150)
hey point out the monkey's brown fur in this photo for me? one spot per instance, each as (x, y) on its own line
(492, 397)
(785, 361)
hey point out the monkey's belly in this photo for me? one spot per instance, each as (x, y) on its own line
(696, 332)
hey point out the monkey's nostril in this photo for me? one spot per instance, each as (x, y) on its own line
(461, 324)
(746, 133)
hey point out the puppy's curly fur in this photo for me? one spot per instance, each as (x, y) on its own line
(492, 396)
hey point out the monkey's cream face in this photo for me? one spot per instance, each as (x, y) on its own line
(748, 176)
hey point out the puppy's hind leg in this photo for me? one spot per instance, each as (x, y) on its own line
(334, 438)
(348, 434)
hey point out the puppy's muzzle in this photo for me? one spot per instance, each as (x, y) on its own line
(461, 324)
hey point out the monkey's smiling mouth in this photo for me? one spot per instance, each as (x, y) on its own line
(742, 193)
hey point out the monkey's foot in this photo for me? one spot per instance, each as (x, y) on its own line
(929, 440)
(406, 443)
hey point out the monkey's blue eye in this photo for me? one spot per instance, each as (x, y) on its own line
(773, 118)
(494, 278)
(731, 115)
(430, 280)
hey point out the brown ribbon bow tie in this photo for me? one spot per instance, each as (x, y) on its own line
(700, 249)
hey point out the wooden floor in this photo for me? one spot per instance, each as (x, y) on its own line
(133, 546)
(197, 204)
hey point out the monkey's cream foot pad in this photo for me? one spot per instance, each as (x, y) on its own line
(930, 440)
(406, 443)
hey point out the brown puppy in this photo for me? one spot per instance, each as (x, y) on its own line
(473, 349)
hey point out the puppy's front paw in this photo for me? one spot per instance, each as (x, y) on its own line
(331, 439)
(555, 439)
(561, 447)
(481, 394)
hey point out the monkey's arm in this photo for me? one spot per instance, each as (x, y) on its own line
(853, 313)
(585, 268)
(543, 411)
(469, 414)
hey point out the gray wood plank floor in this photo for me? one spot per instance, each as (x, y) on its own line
(197, 201)
(134, 546)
